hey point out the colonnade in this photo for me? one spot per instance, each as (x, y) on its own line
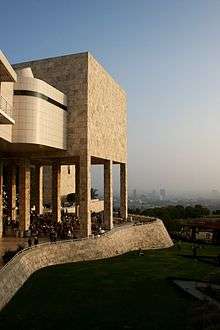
(82, 190)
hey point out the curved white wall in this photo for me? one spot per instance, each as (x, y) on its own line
(37, 120)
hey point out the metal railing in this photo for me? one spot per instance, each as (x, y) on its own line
(5, 106)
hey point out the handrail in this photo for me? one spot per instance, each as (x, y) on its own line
(5, 106)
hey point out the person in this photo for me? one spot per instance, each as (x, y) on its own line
(54, 236)
(51, 236)
(194, 250)
(29, 242)
(35, 240)
(178, 245)
(140, 252)
(101, 231)
(69, 234)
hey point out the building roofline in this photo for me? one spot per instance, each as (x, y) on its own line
(108, 74)
(50, 58)
(7, 67)
(86, 53)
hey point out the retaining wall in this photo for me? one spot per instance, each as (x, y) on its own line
(152, 235)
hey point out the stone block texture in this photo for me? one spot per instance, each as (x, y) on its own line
(97, 120)
(96, 129)
(12, 191)
(120, 240)
(24, 195)
(106, 115)
(69, 74)
(67, 182)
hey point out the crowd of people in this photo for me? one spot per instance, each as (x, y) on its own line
(44, 226)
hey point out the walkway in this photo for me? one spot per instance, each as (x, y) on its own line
(192, 287)
(11, 243)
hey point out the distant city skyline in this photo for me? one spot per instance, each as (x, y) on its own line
(165, 54)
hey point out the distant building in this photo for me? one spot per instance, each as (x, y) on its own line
(134, 194)
(154, 194)
(162, 194)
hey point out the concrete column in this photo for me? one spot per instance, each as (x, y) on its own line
(85, 195)
(56, 196)
(1, 199)
(123, 191)
(77, 190)
(24, 195)
(39, 189)
(12, 192)
(108, 195)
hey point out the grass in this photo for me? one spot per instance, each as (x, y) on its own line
(125, 292)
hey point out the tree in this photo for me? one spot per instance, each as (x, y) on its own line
(71, 198)
(94, 193)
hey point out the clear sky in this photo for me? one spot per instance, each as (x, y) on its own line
(165, 54)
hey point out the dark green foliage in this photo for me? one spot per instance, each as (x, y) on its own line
(177, 212)
(94, 193)
(71, 198)
(216, 212)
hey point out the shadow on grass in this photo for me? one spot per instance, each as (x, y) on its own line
(210, 260)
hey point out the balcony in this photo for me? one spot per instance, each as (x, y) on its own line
(5, 112)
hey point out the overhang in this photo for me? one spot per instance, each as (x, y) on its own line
(7, 73)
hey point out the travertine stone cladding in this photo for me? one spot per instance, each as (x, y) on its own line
(24, 195)
(67, 182)
(96, 123)
(107, 114)
(97, 120)
(118, 241)
(69, 74)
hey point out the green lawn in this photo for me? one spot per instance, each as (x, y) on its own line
(125, 292)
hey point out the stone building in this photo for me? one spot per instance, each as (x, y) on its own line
(67, 183)
(59, 111)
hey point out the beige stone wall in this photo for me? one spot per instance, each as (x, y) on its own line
(69, 74)
(107, 114)
(67, 182)
(96, 205)
(118, 241)
(97, 121)
(7, 92)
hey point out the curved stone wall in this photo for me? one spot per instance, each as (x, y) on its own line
(152, 235)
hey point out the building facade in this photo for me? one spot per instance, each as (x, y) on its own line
(65, 111)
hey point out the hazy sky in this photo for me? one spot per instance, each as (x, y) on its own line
(165, 54)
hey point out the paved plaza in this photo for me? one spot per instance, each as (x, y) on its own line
(11, 243)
